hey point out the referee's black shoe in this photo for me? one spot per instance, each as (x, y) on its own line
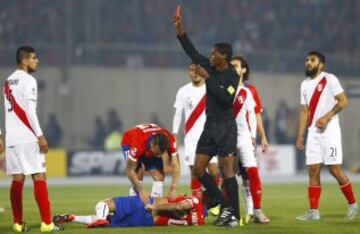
(224, 216)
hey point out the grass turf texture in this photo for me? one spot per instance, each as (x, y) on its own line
(281, 202)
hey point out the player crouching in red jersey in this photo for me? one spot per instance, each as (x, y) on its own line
(128, 211)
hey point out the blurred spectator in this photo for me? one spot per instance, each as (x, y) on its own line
(281, 121)
(113, 131)
(113, 121)
(97, 140)
(53, 131)
(155, 119)
(256, 28)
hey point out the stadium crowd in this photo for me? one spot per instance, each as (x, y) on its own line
(261, 30)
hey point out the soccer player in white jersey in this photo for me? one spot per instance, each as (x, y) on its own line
(25, 142)
(190, 100)
(322, 98)
(244, 112)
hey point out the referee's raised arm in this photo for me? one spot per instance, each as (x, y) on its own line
(187, 45)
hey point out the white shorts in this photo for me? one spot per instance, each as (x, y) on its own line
(323, 149)
(190, 152)
(247, 151)
(25, 159)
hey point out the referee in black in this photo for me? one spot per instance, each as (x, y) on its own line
(220, 130)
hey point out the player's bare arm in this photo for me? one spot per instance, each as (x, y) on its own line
(131, 174)
(262, 134)
(340, 105)
(175, 175)
(166, 207)
(304, 115)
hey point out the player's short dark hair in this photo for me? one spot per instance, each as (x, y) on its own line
(244, 64)
(23, 52)
(224, 48)
(318, 54)
(161, 141)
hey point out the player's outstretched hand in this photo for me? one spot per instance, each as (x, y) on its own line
(179, 26)
(200, 71)
(145, 197)
(43, 145)
(300, 143)
(172, 192)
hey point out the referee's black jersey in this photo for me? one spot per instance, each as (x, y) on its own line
(221, 86)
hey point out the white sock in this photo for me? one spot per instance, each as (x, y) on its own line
(249, 206)
(101, 210)
(157, 189)
(86, 219)
(132, 191)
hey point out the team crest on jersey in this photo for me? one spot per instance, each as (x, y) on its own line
(133, 151)
(241, 99)
(320, 87)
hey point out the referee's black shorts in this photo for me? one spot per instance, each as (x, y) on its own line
(218, 138)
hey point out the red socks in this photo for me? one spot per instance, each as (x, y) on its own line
(16, 200)
(255, 186)
(348, 193)
(314, 196)
(196, 189)
(42, 199)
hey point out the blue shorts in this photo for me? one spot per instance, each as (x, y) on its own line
(150, 163)
(130, 211)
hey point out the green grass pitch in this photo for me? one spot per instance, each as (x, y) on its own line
(282, 202)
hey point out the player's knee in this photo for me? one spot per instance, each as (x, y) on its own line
(198, 172)
(336, 171)
(314, 172)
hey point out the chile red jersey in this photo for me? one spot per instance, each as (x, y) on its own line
(194, 217)
(137, 140)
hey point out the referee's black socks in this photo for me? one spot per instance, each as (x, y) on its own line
(231, 186)
(214, 192)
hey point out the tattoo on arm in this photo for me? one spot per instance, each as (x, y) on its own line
(336, 109)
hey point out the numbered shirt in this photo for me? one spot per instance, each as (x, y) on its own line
(193, 217)
(137, 141)
(188, 99)
(319, 96)
(19, 88)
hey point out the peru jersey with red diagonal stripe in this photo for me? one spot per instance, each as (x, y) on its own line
(19, 88)
(318, 95)
(243, 103)
(191, 100)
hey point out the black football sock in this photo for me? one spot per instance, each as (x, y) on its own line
(214, 192)
(231, 186)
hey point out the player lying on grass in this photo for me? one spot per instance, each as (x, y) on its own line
(127, 211)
